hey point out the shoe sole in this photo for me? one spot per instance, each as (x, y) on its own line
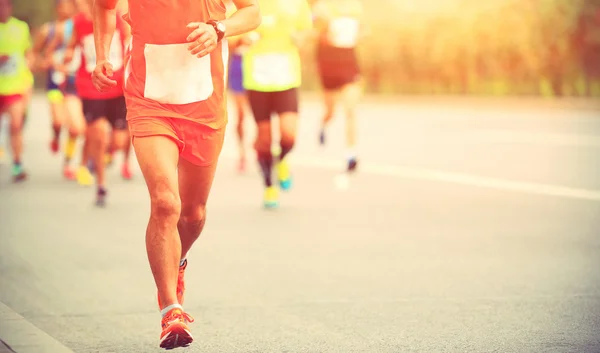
(271, 205)
(178, 337)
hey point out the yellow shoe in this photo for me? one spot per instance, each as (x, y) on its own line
(271, 197)
(284, 175)
(108, 159)
(84, 177)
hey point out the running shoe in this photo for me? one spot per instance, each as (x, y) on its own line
(69, 173)
(108, 159)
(84, 177)
(175, 331)
(101, 197)
(126, 172)
(284, 175)
(180, 285)
(54, 146)
(18, 173)
(352, 164)
(271, 198)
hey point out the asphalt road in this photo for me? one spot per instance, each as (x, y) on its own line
(468, 228)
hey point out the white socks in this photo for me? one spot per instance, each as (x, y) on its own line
(164, 311)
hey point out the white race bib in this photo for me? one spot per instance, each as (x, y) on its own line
(343, 32)
(75, 63)
(115, 55)
(174, 76)
(58, 77)
(9, 66)
(273, 69)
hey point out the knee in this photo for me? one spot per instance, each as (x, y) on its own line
(165, 205)
(263, 144)
(287, 140)
(16, 127)
(193, 216)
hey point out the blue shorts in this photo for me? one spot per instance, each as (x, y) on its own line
(236, 81)
(67, 88)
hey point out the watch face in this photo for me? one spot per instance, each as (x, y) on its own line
(221, 27)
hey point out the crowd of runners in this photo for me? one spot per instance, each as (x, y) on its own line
(154, 76)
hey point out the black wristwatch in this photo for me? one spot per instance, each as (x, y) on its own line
(219, 28)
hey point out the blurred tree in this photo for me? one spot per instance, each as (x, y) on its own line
(462, 46)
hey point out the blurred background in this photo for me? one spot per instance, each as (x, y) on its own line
(471, 225)
(494, 47)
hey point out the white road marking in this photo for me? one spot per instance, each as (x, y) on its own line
(456, 178)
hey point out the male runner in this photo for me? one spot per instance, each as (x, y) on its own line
(106, 110)
(176, 107)
(338, 27)
(272, 75)
(52, 40)
(16, 79)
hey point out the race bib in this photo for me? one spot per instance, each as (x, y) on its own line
(9, 65)
(273, 69)
(58, 77)
(75, 63)
(115, 55)
(174, 76)
(343, 32)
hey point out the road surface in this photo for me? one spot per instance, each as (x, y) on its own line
(468, 228)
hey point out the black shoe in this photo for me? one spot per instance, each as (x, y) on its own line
(352, 164)
(101, 198)
(322, 138)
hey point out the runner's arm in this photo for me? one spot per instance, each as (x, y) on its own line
(39, 59)
(245, 19)
(105, 24)
(304, 25)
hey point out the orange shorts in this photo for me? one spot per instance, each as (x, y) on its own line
(198, 143)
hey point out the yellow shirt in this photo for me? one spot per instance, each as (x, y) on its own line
(15, 41)
(272, 63)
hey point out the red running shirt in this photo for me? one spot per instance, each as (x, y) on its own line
(84, 34)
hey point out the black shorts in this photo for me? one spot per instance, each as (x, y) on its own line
(263, 104)
(338, 67)
(113, 109)
(335, 83)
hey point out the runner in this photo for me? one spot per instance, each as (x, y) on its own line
(62, 94)
(120, 140)
(176, 107)
(338, 26)
(16, 79)
(103, 111)
(272, 75)
(237, 46)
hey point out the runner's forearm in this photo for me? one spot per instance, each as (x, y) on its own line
(104, 14)
(244, 20)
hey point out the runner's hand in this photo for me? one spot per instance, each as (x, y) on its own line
(101, 77)
(203, 39)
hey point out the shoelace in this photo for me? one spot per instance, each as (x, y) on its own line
(187, 317)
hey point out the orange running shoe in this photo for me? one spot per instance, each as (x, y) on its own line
(126, 172)
(175, 332)
(180, 285)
